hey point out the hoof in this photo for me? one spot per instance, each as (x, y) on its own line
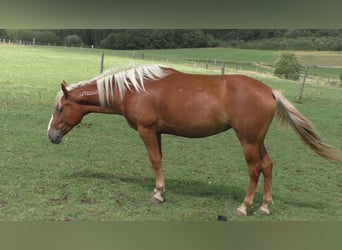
(156, 198)
(264, 211)
(241, 211)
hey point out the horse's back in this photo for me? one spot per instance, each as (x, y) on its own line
(200, 105)
(227, 93)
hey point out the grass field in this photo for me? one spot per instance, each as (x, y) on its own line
(101, 171)
(326, 65)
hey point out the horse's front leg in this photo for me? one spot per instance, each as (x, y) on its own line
(152, 140)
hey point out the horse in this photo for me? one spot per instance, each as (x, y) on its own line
(156, 100)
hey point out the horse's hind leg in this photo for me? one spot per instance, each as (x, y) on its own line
(258, 162)
(267, 166)
(252, 156)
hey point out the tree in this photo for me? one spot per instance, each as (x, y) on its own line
(157, 39)
(73, 40)
(288, 67)
(197, 39)
(3, 33)
(45, 37)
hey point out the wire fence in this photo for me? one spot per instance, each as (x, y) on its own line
(216, 66)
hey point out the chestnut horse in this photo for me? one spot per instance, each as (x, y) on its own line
(156, 99)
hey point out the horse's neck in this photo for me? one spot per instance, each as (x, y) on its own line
(89, 98)
(105, 110)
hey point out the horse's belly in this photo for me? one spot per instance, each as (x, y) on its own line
(194, 124)
(194, 132)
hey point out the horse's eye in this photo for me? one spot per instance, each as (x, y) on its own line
(60, 110)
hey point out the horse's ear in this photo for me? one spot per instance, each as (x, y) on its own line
(64, 88)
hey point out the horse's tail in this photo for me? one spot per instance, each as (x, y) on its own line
(288, 115)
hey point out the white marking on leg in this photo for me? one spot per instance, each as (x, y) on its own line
(242, 210)
(264, 209)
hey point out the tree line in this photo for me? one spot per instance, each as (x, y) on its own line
(281, 39)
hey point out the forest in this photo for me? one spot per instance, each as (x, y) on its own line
(128, 39)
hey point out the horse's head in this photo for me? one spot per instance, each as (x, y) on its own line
(66, 115)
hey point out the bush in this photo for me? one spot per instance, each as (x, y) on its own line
(46, 37)
(73, 40)
(287, 67)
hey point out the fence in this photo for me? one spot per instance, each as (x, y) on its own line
(216, 66)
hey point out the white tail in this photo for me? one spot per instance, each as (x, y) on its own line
(288, 115)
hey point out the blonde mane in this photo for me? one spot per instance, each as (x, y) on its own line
(130, 78)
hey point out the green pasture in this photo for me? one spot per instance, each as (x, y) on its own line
(325, 64)
(220, 54)
(101, 171)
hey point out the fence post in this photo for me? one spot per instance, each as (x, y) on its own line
(101, 64)
(223, 69)
(303, 83)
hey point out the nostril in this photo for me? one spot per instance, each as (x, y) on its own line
(51, 136)
(55, 136)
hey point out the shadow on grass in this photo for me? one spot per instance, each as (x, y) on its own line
(186, 187)
(194, 188)
(191, 188)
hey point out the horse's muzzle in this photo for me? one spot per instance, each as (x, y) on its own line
(55, 136)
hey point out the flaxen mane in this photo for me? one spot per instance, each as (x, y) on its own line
(129, 79)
